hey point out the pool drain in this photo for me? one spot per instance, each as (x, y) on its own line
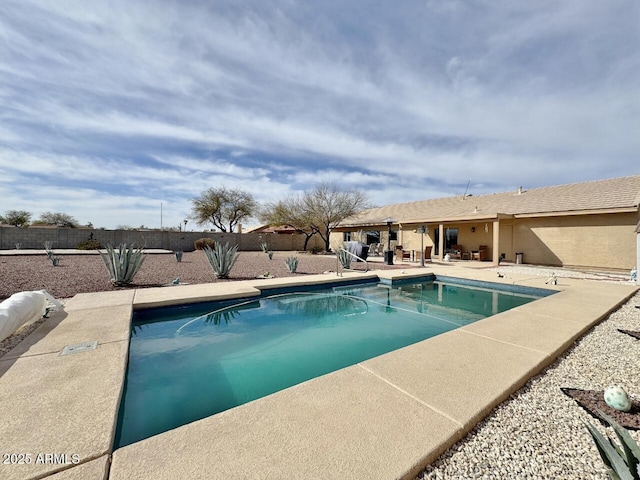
(79, 348)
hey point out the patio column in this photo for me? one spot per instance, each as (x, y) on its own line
(440, 242)
(496, 241)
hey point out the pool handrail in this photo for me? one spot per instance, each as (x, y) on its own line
(338, 264)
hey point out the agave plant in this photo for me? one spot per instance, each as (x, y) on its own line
(344, 258)
(122, 264)
(264, 247)
(221, 258)
(292, 264)
(622, 463)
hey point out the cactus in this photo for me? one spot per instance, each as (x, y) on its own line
(292, 264)
(178, 255)
(49, 251)
(265, 247)
(122, 264)
(622, 463)
(221, 258)
(344, 258)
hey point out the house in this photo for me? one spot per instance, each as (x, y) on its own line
(585, 225)
(280, 230)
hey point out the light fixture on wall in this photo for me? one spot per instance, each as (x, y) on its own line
(486, 228)
(473, 229)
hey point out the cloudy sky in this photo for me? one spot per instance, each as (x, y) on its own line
(109, 110)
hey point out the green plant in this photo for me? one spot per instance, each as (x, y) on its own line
(265, 247)
(49, 251)
(122, 264)
(315, 250)
(201, 243)
(221, 258)
(18, 246)
(90, 244)
(178, 255)
(344, 258)
(292, 263)
(622, 463)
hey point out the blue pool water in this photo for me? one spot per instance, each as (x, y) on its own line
(192, 362)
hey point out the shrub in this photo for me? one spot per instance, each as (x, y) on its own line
(201, 243)
(90, 244)
(292, 264)
(221, 258)
(315, 250)
(122, 264)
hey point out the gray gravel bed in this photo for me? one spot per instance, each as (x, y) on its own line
(87, 273)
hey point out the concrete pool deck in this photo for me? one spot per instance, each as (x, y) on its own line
(386, 417)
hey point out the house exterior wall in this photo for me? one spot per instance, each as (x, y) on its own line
(606, 241)
(34, 238)
(599, 241)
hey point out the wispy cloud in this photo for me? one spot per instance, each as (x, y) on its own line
(136, 103)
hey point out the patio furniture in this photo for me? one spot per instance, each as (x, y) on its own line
(456, 252)
(481, 254)
(427, 254)
(402, 254)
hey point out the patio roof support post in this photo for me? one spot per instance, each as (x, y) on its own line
(496, 241)
(440, 242)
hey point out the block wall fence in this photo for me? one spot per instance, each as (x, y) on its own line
(34, 238)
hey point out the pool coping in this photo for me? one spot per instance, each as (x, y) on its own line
(387, 417)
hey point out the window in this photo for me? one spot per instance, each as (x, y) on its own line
(346, 236)
(373, 237)
(394, 235)
(450, 238)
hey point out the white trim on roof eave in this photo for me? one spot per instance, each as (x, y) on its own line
(565, 213)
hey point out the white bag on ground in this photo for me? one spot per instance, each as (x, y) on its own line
(21, 308)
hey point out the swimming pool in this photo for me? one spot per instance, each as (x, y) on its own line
(188, 363)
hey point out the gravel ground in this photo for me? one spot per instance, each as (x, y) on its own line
(87, 273)
(538, 433)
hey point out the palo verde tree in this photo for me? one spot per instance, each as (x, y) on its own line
(58, 219)
(290, 212)
(17, 218)
(223, 207)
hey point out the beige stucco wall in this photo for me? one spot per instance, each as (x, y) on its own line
(590, 241)
(601, 241)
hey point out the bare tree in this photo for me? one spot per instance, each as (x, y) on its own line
(328, 205)
(290, 212)
(317, 211)
(223, 207)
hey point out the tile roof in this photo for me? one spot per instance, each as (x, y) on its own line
(610, 194)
